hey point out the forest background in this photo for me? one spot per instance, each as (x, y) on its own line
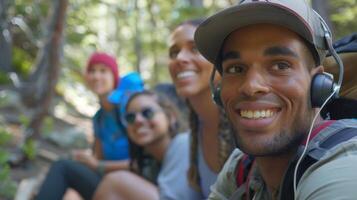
(44, 46)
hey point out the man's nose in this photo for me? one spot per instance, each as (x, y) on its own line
(254, 83)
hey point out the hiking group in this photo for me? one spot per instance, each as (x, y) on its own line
(280, 125)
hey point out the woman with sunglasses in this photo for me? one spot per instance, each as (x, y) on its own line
(211, 137)
(159, 155)
(111, 149)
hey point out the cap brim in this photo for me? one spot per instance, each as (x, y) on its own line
(130, 83)
(115, 96)
(210, 35)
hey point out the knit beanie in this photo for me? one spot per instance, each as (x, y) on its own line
(106, 60)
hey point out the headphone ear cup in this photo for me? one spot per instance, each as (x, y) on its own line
(322, 86)
(217, 96)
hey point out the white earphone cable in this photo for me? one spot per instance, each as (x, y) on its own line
(308, 140)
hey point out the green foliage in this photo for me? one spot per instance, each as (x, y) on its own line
(29, 148)
(187, 13)
(4, 99)
(21, 61)
(24, 120)
(47, 126)
(5, 137)
(343, 16)
(4, 78)
(7, 186)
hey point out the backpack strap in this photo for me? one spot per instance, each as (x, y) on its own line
(117, 114)
(338, 137)
(118, 119)
(243, 168)
(243, 171)
(245, 164)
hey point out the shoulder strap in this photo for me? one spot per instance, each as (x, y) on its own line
(243, 168)
(338, 137)
(118, 119)
(117, 114)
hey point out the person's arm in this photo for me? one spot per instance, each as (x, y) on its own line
(107, 166)
(172, 179)
(96, 161)
(225, 185)
(110, 166)
(97, 151)
(333, 179)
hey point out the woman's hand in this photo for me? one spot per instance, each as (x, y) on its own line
(86, 158)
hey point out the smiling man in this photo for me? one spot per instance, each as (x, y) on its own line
(269, 54)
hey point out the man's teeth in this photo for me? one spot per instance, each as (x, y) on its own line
(256, 114)
(185, 74)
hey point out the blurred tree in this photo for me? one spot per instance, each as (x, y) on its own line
(343, 14)
(323, 8)
(196, 3)
(5, 38)
(38, 92)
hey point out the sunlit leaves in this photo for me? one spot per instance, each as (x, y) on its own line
(343, 15)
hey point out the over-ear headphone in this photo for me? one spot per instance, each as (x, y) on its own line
(322, 84)
(215, 90)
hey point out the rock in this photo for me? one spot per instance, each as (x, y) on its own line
(69, 138)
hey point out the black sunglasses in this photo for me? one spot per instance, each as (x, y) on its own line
(147, 113)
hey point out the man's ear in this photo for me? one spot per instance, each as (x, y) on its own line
(316, 70)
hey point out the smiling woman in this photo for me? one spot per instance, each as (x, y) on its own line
(111, 151)
(211, 135)
(159, 155)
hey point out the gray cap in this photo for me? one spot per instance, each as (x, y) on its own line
(295, 15)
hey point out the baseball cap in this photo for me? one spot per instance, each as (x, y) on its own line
(295, 15)
(129, 84)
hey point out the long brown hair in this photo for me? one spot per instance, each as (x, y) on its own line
(226, 145)
(225, 135)
(141, 162)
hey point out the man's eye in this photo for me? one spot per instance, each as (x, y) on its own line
(280, 66)
(234, 69)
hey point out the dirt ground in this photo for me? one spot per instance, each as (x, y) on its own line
(29, 174)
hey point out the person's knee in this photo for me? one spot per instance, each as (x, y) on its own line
(110, 186)
(114, 178)
(60, 164)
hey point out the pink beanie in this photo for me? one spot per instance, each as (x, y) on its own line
(108, 61)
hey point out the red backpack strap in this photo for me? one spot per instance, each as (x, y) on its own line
(318, 129)
(243, 168)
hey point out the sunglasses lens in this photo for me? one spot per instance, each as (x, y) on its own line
(148, 113)
(130, 117)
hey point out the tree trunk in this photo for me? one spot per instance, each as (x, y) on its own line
(43, 80)
(137, 39)
(323, 8)
(196, 3)
(153, 44)
(5, 38)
